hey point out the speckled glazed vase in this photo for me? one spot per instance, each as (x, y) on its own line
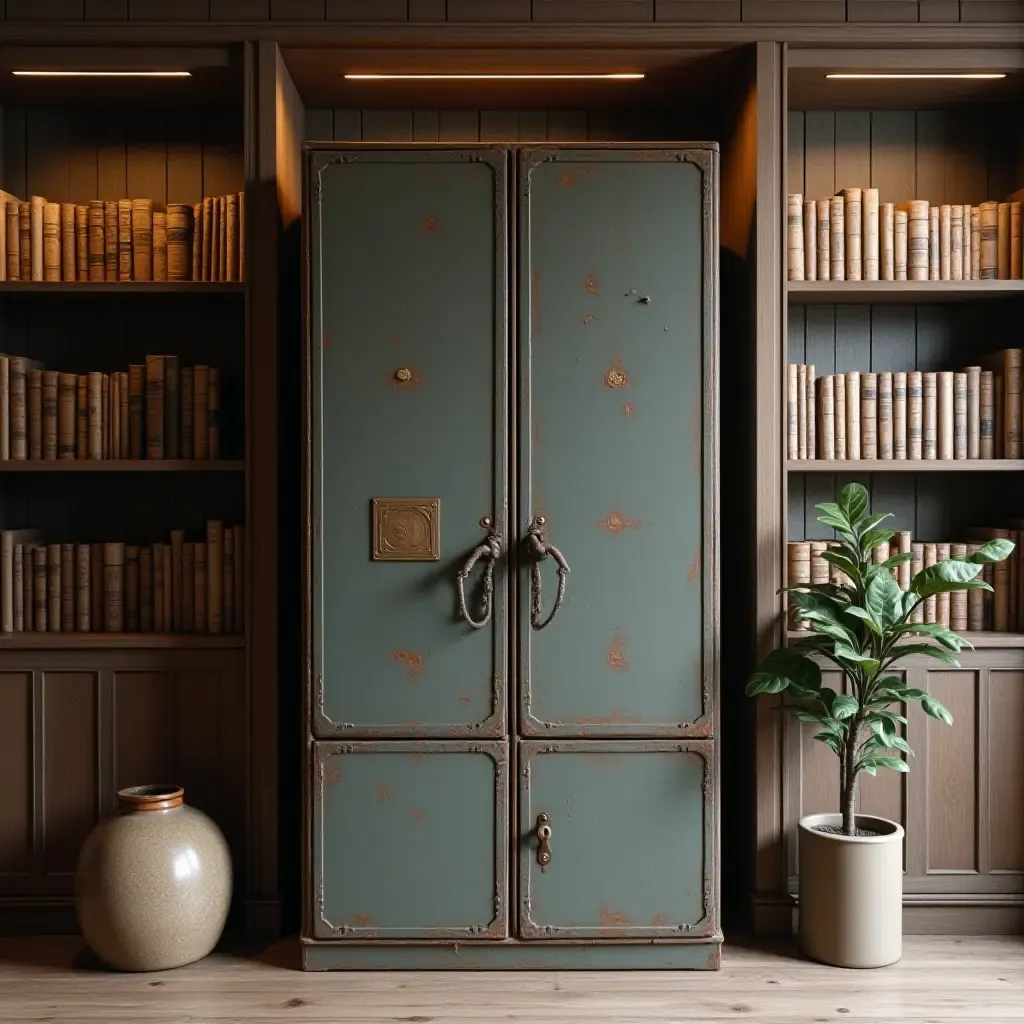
(153, 885)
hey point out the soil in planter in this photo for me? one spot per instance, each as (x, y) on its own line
(837, 830)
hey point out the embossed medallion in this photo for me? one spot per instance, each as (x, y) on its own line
(406, 529)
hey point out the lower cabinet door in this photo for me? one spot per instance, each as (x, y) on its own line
(617, 839)
(410, 840)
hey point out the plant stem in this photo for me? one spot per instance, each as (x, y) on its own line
(849, 778)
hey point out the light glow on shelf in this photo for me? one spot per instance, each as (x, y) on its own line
(502, 76)
(986, 75)
(102, 74)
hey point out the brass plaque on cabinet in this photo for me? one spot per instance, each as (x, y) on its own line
(406, 529)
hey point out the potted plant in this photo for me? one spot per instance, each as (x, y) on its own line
(851, 865)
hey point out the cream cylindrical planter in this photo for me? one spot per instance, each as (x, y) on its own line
(153, 885)
(851, 892)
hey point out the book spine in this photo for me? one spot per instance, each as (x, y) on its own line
(177, 580)
(168, 581)
(231, 238)
(83, 600)
(871, 235)
(988, 214)
(799, 571)
(53, 588)
(930, 408)
(96, 609)
(188, 587)
(215, 576)
(25, 240)
(113, 587)
(1003, 241)
(66, 244)
(52, 262)
(154, 407)
(200, 592)
(197, 242)
(67, 388)
(819, 567)
(930, 604)
(12, 239)
(899, 259)
(828, 417)
(835, 575)
(188, 412)
(114, 415)
(239, 532)
(975, 244)
(110, 240)
(37, 235)
(853, 213)
(956, 243)
(215, 246)
(801, 411)
(792, 415)
(918, 240)
(95, 414)
(903, 540)
(959, 415)
(880, 553)
(35, 413)
(142, 239)
(124, 444)
(1011, 402)
(136, 410)
(965, 243)
(869, 415)
(795, 237)
(81, 416)
(1001, 586)
(997, 415)
(146, 590)
(1015, 242)
(5, 407)
(200, 420)
(899, 415)
(19, 407)
(67, 588)
(947, 406)
(7, 581)
(179, 242)
(222, 220)
(934, 244)
(853, 414)
(159, 609)
(975, 600)
(839, 392)
(837, 238)
(207, 238)
(131, 588)
(823, 249)
(915, 415)
(241, 235)
(159, 245)
(812, 419)
(228, 588)
(972, 375)
(124, 240)
(887, 221)
(19, 588)
(942, 603)
(97, 241)
(810, 244)
(1012, 571)
(986, 416)
(885, 417)
(172, 407)
(81, 243)
(51, 381)
(945, 242)
(39, 588)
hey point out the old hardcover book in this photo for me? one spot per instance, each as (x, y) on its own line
(956, 243)
(114, 415)
(942, 602)
(871, 234)
(214, 576)
(188, 587)
(154, 407)
(51, 242)
(67, 588)
(822, 247)
(986, 416)
(869, 415)
(828, 417)
(1003, 241)
(105, 413)
(915, 415)
(5, 198)
(819, 567)
(51, 380)
(136, 410)
(12, 240)
(975, 243)
(159, 245)
(903, 541)
(988, 214)
(35, 413)
(95, 414)
(965, 243)
(168, 580)
(222, 244)
(929, 416)
(853, 414)
(5, 407)
(172, 407)
(202, 625)
(837, 238)
(228, 623)
(19, 588)
(53, 588)
(215, 240)
(795, 237)
(1001, 587)
(160, 610)
(231, 241)
(124, 444)
(839, 394)
(899, 233)
(799, 571)
(66, 245)
(82, 416)
(1011, 403)
(880, 553)
(37, 234)
(10, 578)
(113, 587)
(146, 590)
(946, 412)
(899, 415)
(1015, 242)
(83, 599)
(131, 588)
(25, 241)
(28, 589)
(188, 412)
(200, 419)
(96, 609)
(959, 415)
(887, 229)
(1000, 428)
(177, 580)
(40, 599)
(853, 212)
(239, 532)
(973, 383)
(110, 240)
(812, 419)
(179, 242)
(917, 238)
(198, 243)
(975, 599)
(930, 604)
(67, 387)
(97, 241)
(801, 411)
(81, 243)
(207, 238)
(124, 239)
(934, 244)
(792, 416)
(241, 235)
(885, 417)
(810, 245)
(20, 367)
(945, 242)
(142, 239)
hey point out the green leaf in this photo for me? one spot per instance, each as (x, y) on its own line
(781, 668)
(844, 706)
(867, 769)
(907, 650)
(945, 576)
(884, 600)
(830, 741)
(992, 551)
(891, 717)
(932, 707)
(950, 640)
(895, 560)
(867, 663)
(873, 538)
(830, 725)
(897, 764)
(843, 562)
(856, 612)
(870, 522)
(853, 502)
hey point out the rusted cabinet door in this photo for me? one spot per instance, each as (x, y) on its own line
(408, 306)
(632, 839)
(618, 249)
(410, 840)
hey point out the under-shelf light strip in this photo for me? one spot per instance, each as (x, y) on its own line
(888, 75)
(469, 76)
(102, 74)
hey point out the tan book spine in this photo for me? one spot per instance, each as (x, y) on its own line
(207, 239)
(871, 266)
(812, 419)
(1012, 572)
(228, 623)
(105, 412)
(965, 243)
(853, 224)
(159, 610)
(202, 624)
(231, 238)
(114, 411)
(188, 587)
(819, 567)
(82, 416)
(930, 604)
(930, 416)
(975, 244)
(853, 414)
(136, 410)
(172, 407)
(197, 242)
(12, 240)
(97, 241)
(3, 234)
(942, 602)
(828, 417)
(973, 379)
(25, 241)
(945, 242)
(839, 392)
(40, 606)
(869, 415)
(146, 590)
(1011, 403)
(96, 589)
(917, 238)
(899, 415)
(222, 220)
(35, 413)
(241, 235)
(934, 244)
(37, 238)
(799, 571)
(53, 588)
(5, 407)
(1003, 241)
(188, 412)
(946, 414)
(51, 387)
(899, 232)
(27, 588)
(177, 580)
(95, 394)
(885, 418)
(880, 553)
(18, 588)
(795, 237)
(83, 600)
(81, 243)
(68, 249)
(131, 588)
(214, 576)
(1015, 242)
(67, 588)
(200, 418)
(792, 414)
(168, 581)
(835, 577)
(823, 249)
(975, 601)
(67, 387)
(902, 541)
(239, 532)
(179, 242)
(19, 407)
(113, 587)
(989, 249)
(956, 243)
(215, 240)
(986, 416)
(142, 239)
(837, 238)
(887, 229)
(124, 446)
(154, 407)
(7, 581)
(1001, 586)
(110, 243)
(124, 240)
(810, 244)
(801, 410)
(159, 245)
(959, 415)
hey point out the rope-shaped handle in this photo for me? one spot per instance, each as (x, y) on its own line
(491, 550)
(540, 549)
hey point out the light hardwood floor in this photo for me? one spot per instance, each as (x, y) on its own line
(939, 980)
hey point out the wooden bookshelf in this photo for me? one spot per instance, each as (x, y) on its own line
(903, 465)
(986, 639)
(205, 288)
(876, 292)
(32, 641)
(122, 466)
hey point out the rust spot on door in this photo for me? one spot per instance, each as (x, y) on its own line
(659, 920)
(616, 522)
(589, 319)
(616, 654)
(395, 340)
(417, 815)
(566, 179)
(334, 777)
(613, 918)
(414, 663)
(362, 919)
(405, 378)
(591, 284)
(693, 573)
(383, 792)
(616, 376)
(465, 700)
(628, 409)
(328, 342)
(617, 717)
(415, 758)
(430, 225)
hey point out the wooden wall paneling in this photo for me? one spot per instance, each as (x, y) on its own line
(488, 10)
(533, 125)
(319, 125)
(1005, 756)
(47, 155)
(387, 126)
(938, 11)
(882, 10)
(146, 159)
(367, 10)
(223, 153)
(893, 170)
(697, 10)
(795, 150)
(567, 126)
(819, 157)
(143, 729)
(16, 770)
(45, 10)
(458, 126)
(184, 158)
(111, 155)
(930, 151)
(794, 10)
(427, 10)
(499, 125)
(239, 10)
(425, 125)
(347, 126)
(298, 10)
(593, 10)
(106, 10)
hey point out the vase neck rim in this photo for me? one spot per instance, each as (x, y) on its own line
(150, 798)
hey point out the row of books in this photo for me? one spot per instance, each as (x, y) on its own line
(1001, 610)
(851, 237)
(122, 240)
(182, 586)
(156, 410)
(974, 413)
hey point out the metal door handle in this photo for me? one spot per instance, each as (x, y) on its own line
(543, 840)
(491, 550)
(540, 549)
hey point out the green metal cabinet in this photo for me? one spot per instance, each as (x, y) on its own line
(513, 604)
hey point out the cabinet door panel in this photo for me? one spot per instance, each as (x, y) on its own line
(408, 304)
(632, 839)
(410, 840)
(618, 438)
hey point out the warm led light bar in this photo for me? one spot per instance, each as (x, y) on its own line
(103, 74)
(979, 75)
(613, 75)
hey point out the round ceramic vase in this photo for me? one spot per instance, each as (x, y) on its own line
(851, 892)
(153, 885)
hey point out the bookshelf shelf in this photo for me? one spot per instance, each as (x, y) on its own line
(904, 465)
(986, 639)
(205, 288)
(114, 641)
(840, 292)
(121, 466)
